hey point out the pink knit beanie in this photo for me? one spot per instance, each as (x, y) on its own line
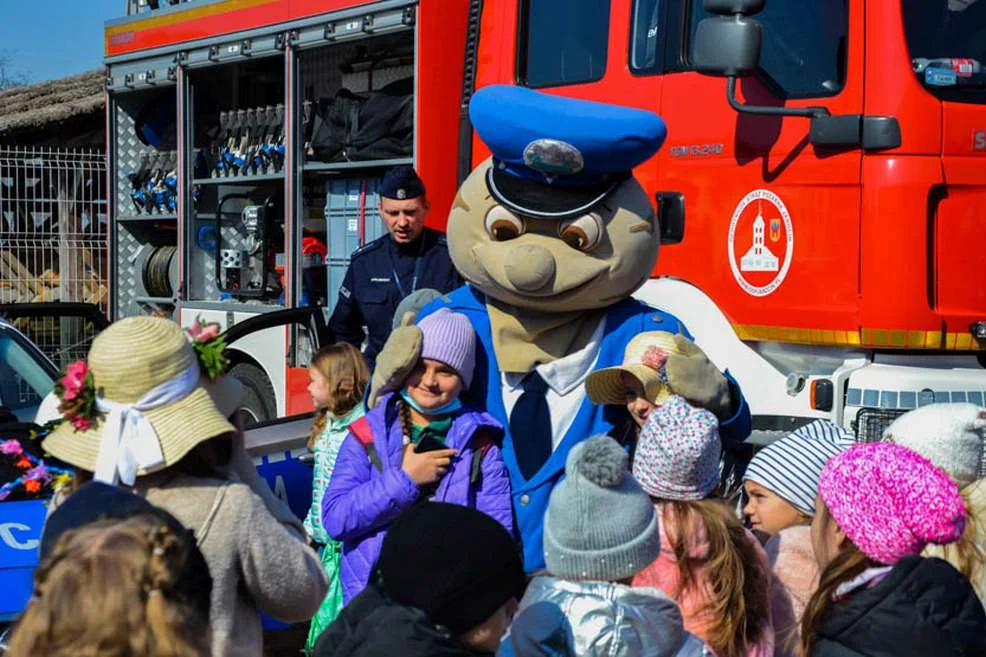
(448, 337)
(890, 501)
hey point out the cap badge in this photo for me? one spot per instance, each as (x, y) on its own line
(401, 194)
(553, 157)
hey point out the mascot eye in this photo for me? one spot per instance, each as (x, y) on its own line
(582, 233)
(502, 225)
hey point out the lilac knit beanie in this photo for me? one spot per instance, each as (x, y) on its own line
(677, 455)
(890, 501)
(448, 337)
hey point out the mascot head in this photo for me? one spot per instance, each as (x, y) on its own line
(554, 221)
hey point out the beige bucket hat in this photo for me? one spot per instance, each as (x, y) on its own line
(129, 359)
(605, 386)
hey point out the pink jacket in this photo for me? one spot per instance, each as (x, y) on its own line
(795, 578)
(664, 574)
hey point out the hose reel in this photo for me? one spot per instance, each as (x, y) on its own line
(160, 272)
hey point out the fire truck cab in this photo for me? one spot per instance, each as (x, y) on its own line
(825, 177)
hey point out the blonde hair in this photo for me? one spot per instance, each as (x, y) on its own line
(848, 563)
(967, 554)
(113, 589)
(344, 367)
(737, 584)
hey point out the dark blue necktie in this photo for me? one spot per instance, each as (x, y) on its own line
(530, 426)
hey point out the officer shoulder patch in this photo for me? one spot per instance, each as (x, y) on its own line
(367, 248)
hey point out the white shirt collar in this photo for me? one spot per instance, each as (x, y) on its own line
(564, 374)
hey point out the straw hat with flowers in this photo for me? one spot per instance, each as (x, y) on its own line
(139, 403)
(644, 359)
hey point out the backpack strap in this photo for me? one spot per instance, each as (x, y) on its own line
(364, 435)
(483, 441)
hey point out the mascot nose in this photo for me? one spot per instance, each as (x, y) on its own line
(529, 267)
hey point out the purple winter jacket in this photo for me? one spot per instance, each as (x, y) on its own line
(361, 501)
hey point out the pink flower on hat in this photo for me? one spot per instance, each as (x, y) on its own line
(890, 501)
(75, 379)
(654, 358)
(200, 332)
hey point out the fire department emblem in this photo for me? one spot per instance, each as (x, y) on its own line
(760, 268)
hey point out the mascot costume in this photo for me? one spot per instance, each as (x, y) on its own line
(553, 234)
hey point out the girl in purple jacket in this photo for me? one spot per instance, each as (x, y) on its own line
(415, 445)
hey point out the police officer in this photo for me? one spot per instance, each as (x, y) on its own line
(410, 257)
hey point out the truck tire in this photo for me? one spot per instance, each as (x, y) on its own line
(258, 403)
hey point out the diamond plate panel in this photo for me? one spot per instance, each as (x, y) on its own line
(129, 284)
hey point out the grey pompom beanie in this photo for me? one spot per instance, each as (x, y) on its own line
(600, 525)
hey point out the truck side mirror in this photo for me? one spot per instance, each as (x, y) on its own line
(726, 46)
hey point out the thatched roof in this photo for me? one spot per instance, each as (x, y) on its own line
(48, 105)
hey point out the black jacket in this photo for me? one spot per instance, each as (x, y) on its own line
(369, 294)
(373, 626)
(922, 608)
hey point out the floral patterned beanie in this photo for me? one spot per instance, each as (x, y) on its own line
(678, 452)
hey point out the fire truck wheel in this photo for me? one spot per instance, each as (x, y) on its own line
(258, 402)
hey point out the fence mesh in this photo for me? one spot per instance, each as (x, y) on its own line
(53, 240)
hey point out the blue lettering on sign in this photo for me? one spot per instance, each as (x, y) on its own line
(290, 479)
(20, 534)
(9, 532)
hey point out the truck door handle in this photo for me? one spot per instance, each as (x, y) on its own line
(671, 216)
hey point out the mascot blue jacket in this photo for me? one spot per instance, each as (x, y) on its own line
(552, 235)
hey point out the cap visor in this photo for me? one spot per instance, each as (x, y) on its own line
(540, 200)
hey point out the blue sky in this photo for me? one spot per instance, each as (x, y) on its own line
(48, 39)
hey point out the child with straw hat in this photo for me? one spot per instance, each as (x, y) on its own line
(139, 414)
(642, 383)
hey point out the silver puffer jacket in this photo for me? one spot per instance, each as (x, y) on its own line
(611, 620)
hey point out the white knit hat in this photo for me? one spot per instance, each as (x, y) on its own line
(949, 435)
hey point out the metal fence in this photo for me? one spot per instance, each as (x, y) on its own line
(53, 240)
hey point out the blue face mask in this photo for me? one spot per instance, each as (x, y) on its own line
(447, 409)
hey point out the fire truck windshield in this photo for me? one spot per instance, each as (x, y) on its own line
(947, 42)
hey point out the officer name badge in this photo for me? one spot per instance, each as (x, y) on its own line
(379, 280)
(553, 157)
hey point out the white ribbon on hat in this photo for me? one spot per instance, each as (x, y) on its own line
(129, 440)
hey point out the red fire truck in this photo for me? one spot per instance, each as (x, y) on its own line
(820, 192)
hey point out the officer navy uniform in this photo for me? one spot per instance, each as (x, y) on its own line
(383, 272)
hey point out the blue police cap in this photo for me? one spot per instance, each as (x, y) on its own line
(556, 157)
(401, 183)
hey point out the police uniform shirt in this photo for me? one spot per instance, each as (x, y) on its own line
(380, 275)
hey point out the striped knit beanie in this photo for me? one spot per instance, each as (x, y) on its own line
(790, 467)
